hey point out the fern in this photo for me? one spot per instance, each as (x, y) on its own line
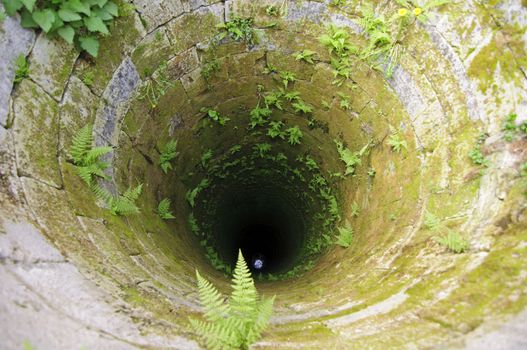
(259, 116)
(205, 158)
(454, 242)
(274, 99)
(125, 204)
(301, 107)
(350, 159)
(294, 135)
(345, 236)
(287, 77)
(396, 143)
(238, 323)
(85, 158)
(275, 130)
(163, 209)
(192, 194)
(168, 153)
(305, 55)
(262, 149)
(216, 116)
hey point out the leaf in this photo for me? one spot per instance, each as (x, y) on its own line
(68, 15)
(95, 24)
(211, 299)
(29, 4)
(111, 8)
(90, 44)
(67, 33)
(26, 19)
(78, 6)
(12, 6)
(44, 19)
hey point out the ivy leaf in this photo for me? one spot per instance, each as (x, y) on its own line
(68, 15)
(44, 19)
(99, 3)
(78, 6)
(111, 8)
(12, 6)
(29, 4)
(90, 44)
(26, 20)
(102, 14)
(96, 24)
(67, 33)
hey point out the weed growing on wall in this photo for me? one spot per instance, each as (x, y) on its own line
(238, 323)
(156, 86)
(21, 69)
(238, 29)
(163, 209)
(78, 22)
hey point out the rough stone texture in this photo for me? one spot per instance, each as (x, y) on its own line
(51, 63)
(36, 125)
(158, 12)
(14, 41)
(395, 286)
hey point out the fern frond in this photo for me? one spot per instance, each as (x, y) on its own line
(263, 314)
(243, 298)
(215, 335)
(123, 206)
(81, 144)
(133, 193)
(92, 155)
(101, 193)
(163, 209)
(211, 299)
(168, 153)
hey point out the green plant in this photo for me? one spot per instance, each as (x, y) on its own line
(523, 170)
(349, 158)
(396, 143)
(432, 222)
(270, 68)
(272, 11)
(205, 158)
(210, 69)
(476, 154)
(344, 101)
(87, 78)
(345, 236)
(239, 29)
(453, 241)
(75, 21)
(2, 15)
(215, 116)
(86, 158)
(274, 98)
(192, 194)
(238, 323)
(305, 55)
(371, 172)
(163, 210)
(168, 153)
(235, 149)
(156, 86)
(287, 77)
(193, 223)
(21, 68)
(291, 95)
(418, 9)
(275, 130)
(509, 127)
(122, 205)
(259, 116)
(301, 107)
(262, 149)
(355, 209)
(294, 135)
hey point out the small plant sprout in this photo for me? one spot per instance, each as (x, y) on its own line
(270, 68)
(294, 135)
(163, 210)
(205, 158)
(287, 77)
(274, 99)
(355, 210)
(301, 107)
(272, 11)
(432, 222)
(193, 194)
(345, 236)
(259, 116)
(2, 16)
(349, 158)
(262, 149)
(239, 29)
(87, 78)
(275, 130)
(156, 86)
(453, 242)
(305, 55)
(216, 116)
(344, 101)
(168, 153)
(396, 142)
(371, 172)
(21, 69)
(476, 154)
(238, 323)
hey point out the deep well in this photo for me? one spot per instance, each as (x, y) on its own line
(74, 276)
